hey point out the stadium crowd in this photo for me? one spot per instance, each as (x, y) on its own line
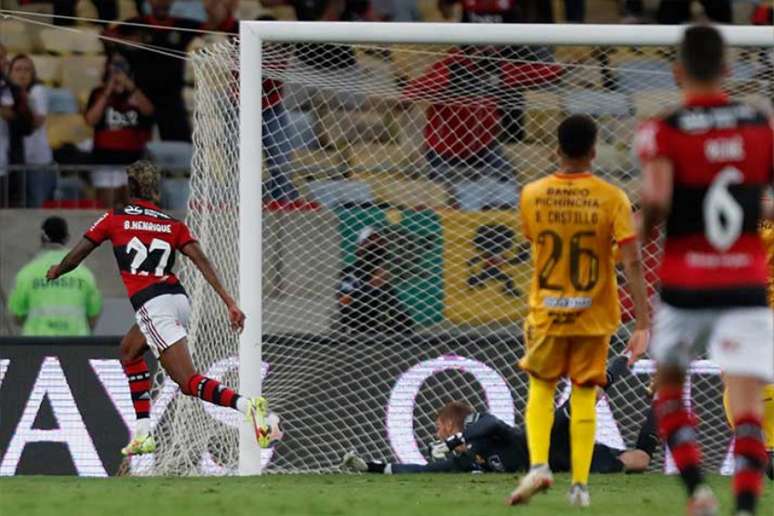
(76, 109)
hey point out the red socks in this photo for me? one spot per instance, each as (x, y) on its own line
(677, 428)
(139, 386)
(212, 391)
(750, 460)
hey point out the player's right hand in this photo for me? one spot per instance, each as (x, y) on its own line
(236, 317)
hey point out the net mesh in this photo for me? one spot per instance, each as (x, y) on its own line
(394, 272)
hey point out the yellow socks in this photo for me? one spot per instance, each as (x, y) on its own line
(583, 415)
(539, 418)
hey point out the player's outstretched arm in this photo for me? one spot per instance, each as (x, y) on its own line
(656, 195)
(195, 253)
(635, 281)
(74, 258)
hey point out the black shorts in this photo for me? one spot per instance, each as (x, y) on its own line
(605, 460)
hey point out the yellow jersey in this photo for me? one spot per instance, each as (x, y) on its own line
(573, 222)
(767, 234)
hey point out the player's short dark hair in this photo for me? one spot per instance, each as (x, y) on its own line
(54, 230)
(702, 52)
(577, 136)
(455, 412)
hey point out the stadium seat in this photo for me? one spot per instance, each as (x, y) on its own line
(334, 193)
(175, 192)
(410, 193)
(343, 127)
(412, 61)
(58, 41)
(318, 163)
(486, 193)
(63, 128)
(62, 100)
(611, 111)
(48, 68)
(301, 130)
(127, 9)
(613, 160)
(81, 74)
(88, 42)
(649, 103)
(531, 160)
(172, 155)
(386, 157)
(16, 37)
(248, 10)
(542, 114)
(644, 74)
(596, 103)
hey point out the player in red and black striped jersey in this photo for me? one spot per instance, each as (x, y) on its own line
(145, 243)
(706, 167)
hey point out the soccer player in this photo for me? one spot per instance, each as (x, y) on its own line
(573, 220)
(145, 241)
(473, 441)
(706, 165)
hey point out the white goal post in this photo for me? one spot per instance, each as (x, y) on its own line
(390, 277)
(254, 34)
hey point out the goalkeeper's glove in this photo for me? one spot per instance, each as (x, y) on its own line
(441, 449)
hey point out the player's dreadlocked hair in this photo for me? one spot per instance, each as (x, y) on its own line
(455, 412)
(144, 181)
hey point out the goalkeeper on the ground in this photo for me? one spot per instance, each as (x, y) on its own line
(474, 441)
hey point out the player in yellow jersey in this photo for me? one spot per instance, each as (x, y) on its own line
(574, 219)
(767, 233)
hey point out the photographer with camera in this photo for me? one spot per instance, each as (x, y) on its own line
(122, 117)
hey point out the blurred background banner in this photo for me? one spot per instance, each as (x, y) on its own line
(486, 267)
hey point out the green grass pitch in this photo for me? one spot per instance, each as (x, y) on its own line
(341, 495)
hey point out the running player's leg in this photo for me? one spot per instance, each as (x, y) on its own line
(674, 331)
(743, 341)
(133, 346)
(177, 362)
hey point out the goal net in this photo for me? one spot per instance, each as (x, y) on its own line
(394, 274)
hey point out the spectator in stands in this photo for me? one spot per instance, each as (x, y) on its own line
(106, 10)
(679, 11)
(323, 62)
(673, 12)
(275, 133)
(6, 98)
(397, 10)
(68, 306)
(466, 90)
(40, 172)
(160, 76)
(366, 300)
(121, 116)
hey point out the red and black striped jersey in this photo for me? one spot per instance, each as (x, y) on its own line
(722, 154)
(145, 241)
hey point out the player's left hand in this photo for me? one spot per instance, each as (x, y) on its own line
(53, 273)
(638, 344)
(236, 317)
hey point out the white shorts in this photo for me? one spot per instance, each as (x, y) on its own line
(164, 320)
(104, 177)
(739, 340)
